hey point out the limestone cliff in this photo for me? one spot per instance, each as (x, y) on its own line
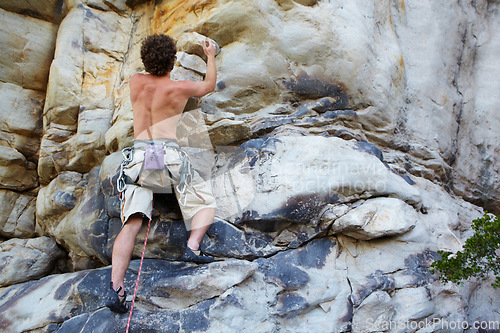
(350, 140)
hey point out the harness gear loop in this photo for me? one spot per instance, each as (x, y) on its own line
(186, 178)
(121, 184)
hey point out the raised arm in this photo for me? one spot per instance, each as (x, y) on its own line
(199, 89)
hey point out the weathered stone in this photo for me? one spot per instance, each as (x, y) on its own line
(335, 171)
(27, 46)
(376, 218)
(253, 86)
(121, 132)
(118, 6)
(58, 198)
(27, 259)
(412, 304)
(20, 119)
(97, 38)
(307, 2)
(76, 212)
(79, 295)
(179, 292)
(135, 3)
(51, 10)
(476, 164)
(17, 215)
(141, 19)
(191, 42)
(226, 132)
(225, 240)
(81, 88)
(374, 314)
(482, 300)
(426, 121)
(192, 62)
(16, 173)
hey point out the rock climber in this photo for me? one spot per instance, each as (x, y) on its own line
(157, 103)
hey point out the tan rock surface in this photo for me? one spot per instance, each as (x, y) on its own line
(20, 119)
(81, 91)
(17, 214)
(27, 48)
(16, 173)
(49, 10)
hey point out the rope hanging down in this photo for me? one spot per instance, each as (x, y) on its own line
(138, 277)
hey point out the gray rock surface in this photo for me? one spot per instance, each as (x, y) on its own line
(376, 218)
(27, 259)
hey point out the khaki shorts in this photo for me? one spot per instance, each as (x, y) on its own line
(195, 196)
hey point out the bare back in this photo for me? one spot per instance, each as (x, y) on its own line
(157, 103)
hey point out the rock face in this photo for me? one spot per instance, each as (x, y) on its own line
(17, 215)
(28, 44)
(75, 123)
(376, 218)
(27, 259)
(347, 142)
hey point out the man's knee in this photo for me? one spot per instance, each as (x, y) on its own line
(134, 223)
(207, 211)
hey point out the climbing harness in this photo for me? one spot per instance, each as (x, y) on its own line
(185, 179)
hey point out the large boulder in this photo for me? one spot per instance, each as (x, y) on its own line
(313, 288)
(376, 218)
(27, 259)
(291, 179)
(258, 194)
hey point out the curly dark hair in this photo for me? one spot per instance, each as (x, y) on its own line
(158, 54)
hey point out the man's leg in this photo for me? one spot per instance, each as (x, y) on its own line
(123, 248)
(199, 226)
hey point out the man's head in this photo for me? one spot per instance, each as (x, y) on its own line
(158, 54)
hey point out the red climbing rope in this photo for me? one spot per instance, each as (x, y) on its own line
(138, 276)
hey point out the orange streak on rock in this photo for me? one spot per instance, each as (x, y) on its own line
(178, 16)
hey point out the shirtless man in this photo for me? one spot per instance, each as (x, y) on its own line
(157, 103)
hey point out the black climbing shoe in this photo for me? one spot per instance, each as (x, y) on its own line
(116, 303)
(198, 256)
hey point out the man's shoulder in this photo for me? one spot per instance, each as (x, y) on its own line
(137, 79)
(139, 76)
